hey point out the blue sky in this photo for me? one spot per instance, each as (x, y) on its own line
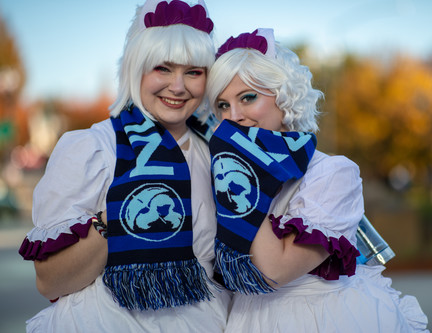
(70, 48)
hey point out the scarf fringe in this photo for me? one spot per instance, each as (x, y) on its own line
(238, 271)
(157, 285)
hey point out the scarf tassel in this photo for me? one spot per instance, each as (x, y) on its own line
(238, 271)
(157, 285)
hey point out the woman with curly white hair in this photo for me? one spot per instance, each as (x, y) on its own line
(288, 213)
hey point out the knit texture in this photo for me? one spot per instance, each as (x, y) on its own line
(249, 165)
(151, 263)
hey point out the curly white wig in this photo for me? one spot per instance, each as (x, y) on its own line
(284, 76)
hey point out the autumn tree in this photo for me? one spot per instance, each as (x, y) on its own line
(12, 79)
(381, 114)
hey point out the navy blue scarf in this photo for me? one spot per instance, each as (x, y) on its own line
(249, 165)
(151, 263)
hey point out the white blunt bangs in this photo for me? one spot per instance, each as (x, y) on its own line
(146, 49)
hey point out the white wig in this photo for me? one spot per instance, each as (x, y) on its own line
(147, 48)
(284, 76)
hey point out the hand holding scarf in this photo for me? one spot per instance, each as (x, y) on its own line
(249, 165)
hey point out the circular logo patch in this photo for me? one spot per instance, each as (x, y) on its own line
(236, 185)
(153, 212)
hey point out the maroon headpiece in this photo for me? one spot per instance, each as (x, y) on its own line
(178, 12)
(261, 40)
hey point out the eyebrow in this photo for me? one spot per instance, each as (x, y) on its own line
(245, 91)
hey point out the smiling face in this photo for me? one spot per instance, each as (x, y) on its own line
(171, 93)
(246, 106)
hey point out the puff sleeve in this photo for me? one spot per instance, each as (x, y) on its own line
(326, 210)
(73, 188)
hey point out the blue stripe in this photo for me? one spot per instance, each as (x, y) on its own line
(310, 149)
(124, 153)
(291, 169)
(129, 243)
(251, 149)
(239, 227)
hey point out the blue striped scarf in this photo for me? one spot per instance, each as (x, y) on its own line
(249, 165)
(151, 263)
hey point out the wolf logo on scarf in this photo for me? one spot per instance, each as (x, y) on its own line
(153, 206)
(236, 185)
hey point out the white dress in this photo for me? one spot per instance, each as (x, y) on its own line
(74, 187)
(330, 204)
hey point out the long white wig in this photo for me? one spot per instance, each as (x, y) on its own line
(145, 49)
(284, 76)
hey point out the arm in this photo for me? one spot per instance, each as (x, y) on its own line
(271, 255)
(73, 188)
(72, 268)
(329, 203)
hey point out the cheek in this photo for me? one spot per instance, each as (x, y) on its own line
(268, 115)
(197, 87)
(224, 115)
(151, 85)
(261, 110)
(277, 120)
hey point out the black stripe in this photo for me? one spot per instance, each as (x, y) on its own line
(150, 256)
(228, 237)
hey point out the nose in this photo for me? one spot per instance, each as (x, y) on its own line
(177, 84)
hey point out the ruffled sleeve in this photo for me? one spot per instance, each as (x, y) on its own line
(325, 210)
(72, 190)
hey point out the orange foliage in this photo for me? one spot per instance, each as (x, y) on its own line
(79, 115)
(383, 113)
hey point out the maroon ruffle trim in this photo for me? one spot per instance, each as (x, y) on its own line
(342, 259)
(39, 250)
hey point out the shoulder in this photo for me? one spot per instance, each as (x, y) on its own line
(80, 168)
(333, 182)
(335, 168)
(85, 147)
(331, 195)
(322, 162)
(98, 138)
(99, 134)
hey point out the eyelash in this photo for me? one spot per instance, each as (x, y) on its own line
(223, 106)
(249, 98)
(195, 72)
(161, 69)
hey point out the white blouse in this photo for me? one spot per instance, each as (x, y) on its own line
(80, 171)
(73, 189)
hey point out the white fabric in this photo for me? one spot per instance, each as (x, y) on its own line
(86, 158)
(329, 199)
(363, 303)
(330, 196)
(79, 172)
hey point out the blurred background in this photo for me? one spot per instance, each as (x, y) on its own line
(372, 60)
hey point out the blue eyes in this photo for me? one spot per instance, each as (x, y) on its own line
(244, 99)
(192, 72)
(161, 69)
(249, 98)
(195, 72)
